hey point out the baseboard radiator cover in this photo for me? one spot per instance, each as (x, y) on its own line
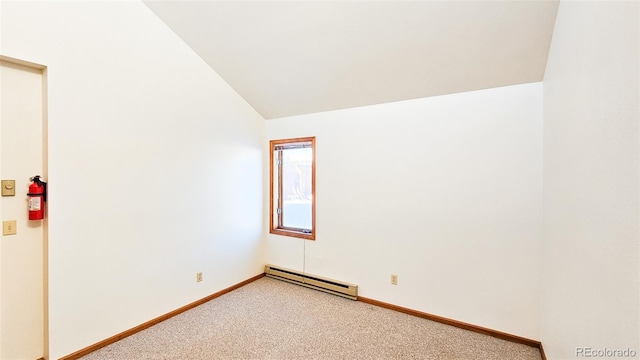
(340, 288)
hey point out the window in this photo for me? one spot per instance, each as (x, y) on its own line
(293, 187)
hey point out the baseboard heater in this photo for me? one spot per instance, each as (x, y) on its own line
(330, 286)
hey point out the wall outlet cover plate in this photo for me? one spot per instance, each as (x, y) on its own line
(9, 227)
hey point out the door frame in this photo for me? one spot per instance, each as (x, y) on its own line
(45, 174)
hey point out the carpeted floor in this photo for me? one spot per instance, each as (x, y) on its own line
(272, 319)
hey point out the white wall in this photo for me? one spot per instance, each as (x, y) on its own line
(155, 168)
(591, 179)
(443, 191)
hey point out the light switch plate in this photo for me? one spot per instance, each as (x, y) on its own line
(8, 188)
(9, 227)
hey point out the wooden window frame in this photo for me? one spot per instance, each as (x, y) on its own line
(275, 222)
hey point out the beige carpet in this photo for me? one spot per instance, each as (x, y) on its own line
(272, 319)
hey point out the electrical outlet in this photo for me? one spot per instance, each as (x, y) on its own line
(9, 227)
(394, 279)
(198, 277)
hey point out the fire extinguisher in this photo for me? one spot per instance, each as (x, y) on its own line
(37, 196)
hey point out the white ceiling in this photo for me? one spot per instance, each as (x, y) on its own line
(297, 57)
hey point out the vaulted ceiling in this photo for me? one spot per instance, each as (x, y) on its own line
(295, 57)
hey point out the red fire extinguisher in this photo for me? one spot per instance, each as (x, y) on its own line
(37, 196)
